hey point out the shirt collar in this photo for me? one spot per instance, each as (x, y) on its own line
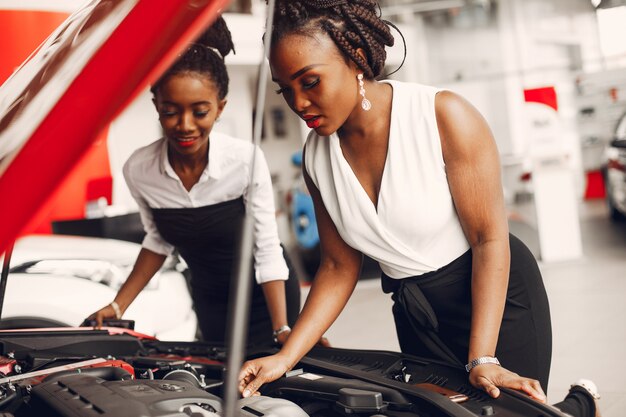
(213, 169)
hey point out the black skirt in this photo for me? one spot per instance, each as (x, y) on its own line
(207, 239)
(433, 314)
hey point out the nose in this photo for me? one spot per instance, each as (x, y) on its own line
(186, 122)
(300, 102)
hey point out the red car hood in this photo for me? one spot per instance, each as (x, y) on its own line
(53, 107)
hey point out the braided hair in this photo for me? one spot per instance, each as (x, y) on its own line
(351, 24)
(206, 57)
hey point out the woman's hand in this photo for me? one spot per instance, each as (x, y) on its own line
(489, 377)
(106, 312)
(283, 336)
(257, 372)
(323, 342)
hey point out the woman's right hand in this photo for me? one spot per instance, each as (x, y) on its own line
(106, 312)
(257, 372)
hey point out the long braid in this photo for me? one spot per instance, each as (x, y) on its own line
(206, 57)
(352, 25)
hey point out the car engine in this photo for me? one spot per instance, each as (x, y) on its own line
(116, 372)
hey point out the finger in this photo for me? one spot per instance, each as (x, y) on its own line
(247, 370)
(488, 387)
(324, 342)
(99, 320)
(531, 389)
(252, 387)
(537, 386)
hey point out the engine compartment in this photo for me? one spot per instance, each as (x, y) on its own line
(86, 372)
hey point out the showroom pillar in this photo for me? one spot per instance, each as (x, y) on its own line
(556, 203)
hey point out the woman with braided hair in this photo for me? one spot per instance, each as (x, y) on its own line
(408, 175)
(191, 187)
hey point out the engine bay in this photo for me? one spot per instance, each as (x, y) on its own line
(114, 372)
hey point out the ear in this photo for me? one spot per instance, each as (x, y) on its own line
(360, 52)
(220, 106)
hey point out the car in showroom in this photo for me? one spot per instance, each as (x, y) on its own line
(615, 172)
(57, 281)
(116, 372)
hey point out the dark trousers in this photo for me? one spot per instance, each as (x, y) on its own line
(432, 313)
(212, 310)
(578, 403)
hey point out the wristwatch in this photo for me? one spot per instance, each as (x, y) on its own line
(480, 361)
(281, 329)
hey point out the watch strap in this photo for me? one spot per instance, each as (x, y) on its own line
(481, 361)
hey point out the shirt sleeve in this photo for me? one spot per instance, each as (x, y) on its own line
(269, 262)
(153, 240)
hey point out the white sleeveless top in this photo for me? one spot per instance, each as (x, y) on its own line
(416, 228)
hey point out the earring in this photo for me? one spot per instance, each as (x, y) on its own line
(365, 103)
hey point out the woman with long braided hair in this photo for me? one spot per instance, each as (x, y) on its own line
(191, 187)
(409, 175)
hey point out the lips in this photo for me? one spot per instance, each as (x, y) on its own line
(312, 121)
(186, 141)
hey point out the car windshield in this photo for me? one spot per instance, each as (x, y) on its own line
(29, 94)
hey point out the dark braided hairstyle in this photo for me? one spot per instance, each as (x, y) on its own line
(350, 24)
(206, 57)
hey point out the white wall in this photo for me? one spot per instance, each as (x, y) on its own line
(491, 59)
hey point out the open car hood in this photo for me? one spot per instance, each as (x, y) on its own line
(54, 105)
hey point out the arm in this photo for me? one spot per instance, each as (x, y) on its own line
(146, 265)
(473, 172)
(150, 258)
(274, 292)
(333, 284)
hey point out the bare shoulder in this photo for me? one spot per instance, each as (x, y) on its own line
(460, 124)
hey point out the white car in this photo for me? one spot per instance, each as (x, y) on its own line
(60, 280)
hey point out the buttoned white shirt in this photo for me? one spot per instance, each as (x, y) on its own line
(154, 184)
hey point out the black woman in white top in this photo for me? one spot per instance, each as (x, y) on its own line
(408, 175)
(191, 187)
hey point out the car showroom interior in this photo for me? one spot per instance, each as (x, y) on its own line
(312, 208)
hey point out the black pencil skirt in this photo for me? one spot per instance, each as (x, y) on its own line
(433, 311)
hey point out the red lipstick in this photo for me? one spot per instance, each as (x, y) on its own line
(186, 142)
(312, 121)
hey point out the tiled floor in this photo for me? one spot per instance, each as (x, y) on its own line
(588, 306)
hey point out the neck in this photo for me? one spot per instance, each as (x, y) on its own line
(366, 124)
(193, 162)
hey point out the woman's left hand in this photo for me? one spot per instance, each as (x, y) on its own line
(489, 377)
(283, 336)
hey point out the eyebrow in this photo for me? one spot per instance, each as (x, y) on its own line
(171, 103)
(300, 72)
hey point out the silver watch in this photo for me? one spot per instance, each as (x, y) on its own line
(280, 330)
(480, 361)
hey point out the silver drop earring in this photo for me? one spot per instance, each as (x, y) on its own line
(365, 103)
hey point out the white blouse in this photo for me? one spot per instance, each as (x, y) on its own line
(154, 184)
(415, 228)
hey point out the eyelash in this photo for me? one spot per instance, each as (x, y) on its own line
(199, 114)
(306, 86)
